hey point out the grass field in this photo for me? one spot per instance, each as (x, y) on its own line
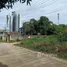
(46, 44)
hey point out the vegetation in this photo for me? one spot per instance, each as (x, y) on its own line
(0, 38)
(17, 40)
(52, 38)
(43, 26)
(9, 3)
(46, 44)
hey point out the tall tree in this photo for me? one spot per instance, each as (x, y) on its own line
(34, 25)
(43, 24)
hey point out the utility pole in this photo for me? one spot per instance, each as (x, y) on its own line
(58, 18)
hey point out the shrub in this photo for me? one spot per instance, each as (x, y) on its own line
(62, 37)
(1, 38)
(17, 40)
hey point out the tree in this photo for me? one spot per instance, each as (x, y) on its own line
(9, 3)
(51, 30)
(34, 25)
(26, 28)
(43, 24)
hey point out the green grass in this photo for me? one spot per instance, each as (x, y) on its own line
(48, 44)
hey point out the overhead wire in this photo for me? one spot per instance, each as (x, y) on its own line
(44, 4)
(54, 1)
(45, 14)
(53, 11)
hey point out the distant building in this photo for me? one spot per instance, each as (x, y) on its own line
(12, 26)
(21, 30)
(13, 22)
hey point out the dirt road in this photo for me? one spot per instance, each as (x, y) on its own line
(13, 56)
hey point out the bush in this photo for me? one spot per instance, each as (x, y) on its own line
(47, 44)
(17, 40)
(62, 37)
(1, 38)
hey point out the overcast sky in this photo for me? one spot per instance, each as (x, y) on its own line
(49, 8)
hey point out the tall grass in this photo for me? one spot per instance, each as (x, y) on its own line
(48, 44)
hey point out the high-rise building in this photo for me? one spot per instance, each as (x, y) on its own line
(18, 22)
(7, 23)
(13, 22)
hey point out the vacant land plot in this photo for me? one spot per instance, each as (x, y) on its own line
(13, 56)
(46, 44)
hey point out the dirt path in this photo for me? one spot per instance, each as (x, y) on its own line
(13, 56)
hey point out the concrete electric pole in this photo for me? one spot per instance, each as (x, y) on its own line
(58, 18)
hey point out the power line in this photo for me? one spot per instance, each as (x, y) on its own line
(45, 15)
(53, 11)
(50, 2)
(56, 10)
(44, 4)
(33, 10)
(47, 4)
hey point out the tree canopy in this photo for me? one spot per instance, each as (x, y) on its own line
(9, 3)
(43, 26)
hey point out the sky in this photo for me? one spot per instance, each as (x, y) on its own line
(49, 8)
